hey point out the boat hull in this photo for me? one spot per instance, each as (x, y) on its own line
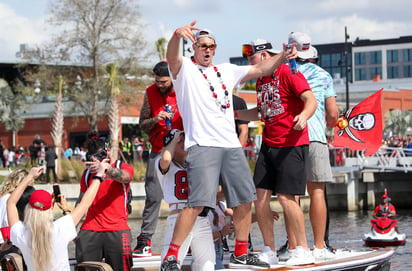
(371, 260)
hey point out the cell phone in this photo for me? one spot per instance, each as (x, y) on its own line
(56, 191)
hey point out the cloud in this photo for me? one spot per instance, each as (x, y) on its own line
(16, 30)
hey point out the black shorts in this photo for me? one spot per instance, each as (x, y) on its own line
(113, 246)
(282, 170)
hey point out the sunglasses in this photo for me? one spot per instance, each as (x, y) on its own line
(250, 50)
(205, 46)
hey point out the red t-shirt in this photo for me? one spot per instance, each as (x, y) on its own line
(281, 96)
(108, 211)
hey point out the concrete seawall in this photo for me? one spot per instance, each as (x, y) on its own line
(352, 190)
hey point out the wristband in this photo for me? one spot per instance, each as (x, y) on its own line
(236, 116)
(66, 211)
(98, 178)
(176, 34)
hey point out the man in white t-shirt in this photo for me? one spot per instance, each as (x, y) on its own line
(204, 97)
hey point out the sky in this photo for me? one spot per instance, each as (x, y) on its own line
(233, 22)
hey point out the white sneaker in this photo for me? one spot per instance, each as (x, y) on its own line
(285, 255)
(301, 256)
(322, 254)
(268, 256)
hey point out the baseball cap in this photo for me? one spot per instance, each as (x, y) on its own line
(169, 137)
(205, 33)
(302, 40)
(258, 45)
(41, 200)
(384, 196)
(161, 69)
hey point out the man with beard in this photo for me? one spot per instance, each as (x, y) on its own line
(204, 96)
(153, 121)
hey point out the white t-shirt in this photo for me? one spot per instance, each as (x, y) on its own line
(64, 231)
(174, 183)
(4, 222)
(205, 122)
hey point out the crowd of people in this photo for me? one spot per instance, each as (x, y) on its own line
(197, 161)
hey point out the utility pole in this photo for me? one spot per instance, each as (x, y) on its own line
(346, 69)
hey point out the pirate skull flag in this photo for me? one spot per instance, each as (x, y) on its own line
(360, 128)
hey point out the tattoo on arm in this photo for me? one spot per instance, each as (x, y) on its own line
(146, 121)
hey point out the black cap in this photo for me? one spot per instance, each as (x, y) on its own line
(161, 69)
(169, 137)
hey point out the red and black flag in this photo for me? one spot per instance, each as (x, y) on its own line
(360, 128)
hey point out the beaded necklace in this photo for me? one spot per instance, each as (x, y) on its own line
(225, 99)
(269, 96)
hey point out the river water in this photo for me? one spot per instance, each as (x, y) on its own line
(346, 232)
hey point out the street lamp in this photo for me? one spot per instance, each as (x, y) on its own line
(346, 69)
(37, 86)
(78, 82)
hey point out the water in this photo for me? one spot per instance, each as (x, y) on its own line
(346, 232)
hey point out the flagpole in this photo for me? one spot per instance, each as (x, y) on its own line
(346, 69)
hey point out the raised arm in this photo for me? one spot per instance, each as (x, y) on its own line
(268, 66)
(173, 56)
(88, 196)
(12, 212)
(168, 152)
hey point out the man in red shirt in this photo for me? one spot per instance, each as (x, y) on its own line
(105, 232)
(153, 121)
(284, 102)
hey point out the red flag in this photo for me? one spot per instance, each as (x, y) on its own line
(360, 127)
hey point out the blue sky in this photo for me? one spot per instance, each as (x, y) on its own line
(233, 21)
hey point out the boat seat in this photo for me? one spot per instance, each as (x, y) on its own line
(93, 266)
(12, 262)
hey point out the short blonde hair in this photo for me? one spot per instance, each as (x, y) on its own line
(13, 180)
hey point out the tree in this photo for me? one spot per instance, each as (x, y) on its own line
(114, 118)
(397, 122)
(161, 48)
(10, 107)
(58, 124)
(94, 32)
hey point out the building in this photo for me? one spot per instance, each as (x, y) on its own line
(372, 65)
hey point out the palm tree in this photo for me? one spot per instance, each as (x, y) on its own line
(114, 119)
(161, 48)
(58, 125)
(397, 122)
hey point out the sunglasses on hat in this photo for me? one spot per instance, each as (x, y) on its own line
(250, 50)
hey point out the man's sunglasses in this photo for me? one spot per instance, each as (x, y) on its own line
(205, 46)
(250, 50)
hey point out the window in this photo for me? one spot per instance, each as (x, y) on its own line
(376, 57)
(325, 60)
(360, 58)
(407, 55)
(392, 56)
(376, 71)
(360, 74)
(393, 72)
(407, 71)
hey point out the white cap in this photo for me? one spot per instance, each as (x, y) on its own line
(302, 40)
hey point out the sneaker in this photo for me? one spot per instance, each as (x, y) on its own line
(170, 264)
(247, 261)
(143, 247)
(268, 256)
(322, 254)
(301, 256)
(285, 255)
(283, 248)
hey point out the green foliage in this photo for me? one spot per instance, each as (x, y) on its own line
(397, 122)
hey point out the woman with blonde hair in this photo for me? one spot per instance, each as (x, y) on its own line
(9, 184)
(42, 241)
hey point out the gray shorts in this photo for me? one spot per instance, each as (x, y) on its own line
(318, 165)
(206, 165)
